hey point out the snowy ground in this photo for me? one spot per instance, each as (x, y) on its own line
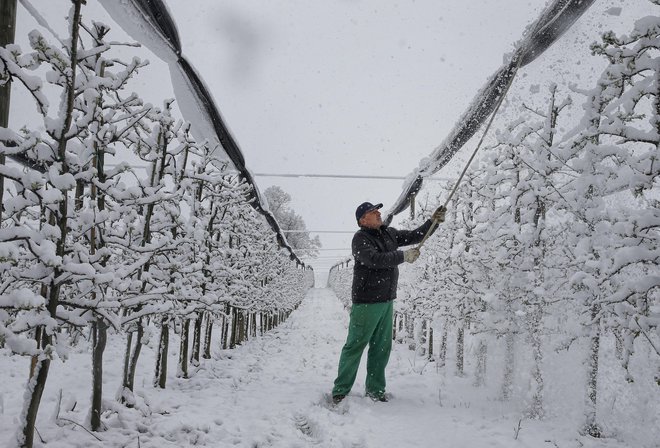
(269, 393)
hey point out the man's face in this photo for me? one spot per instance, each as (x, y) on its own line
(371, 220)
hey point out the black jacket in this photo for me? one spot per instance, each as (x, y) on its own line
(375, 275)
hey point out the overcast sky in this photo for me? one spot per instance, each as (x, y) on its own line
(359, 87)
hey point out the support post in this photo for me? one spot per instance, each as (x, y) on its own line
(7, 35)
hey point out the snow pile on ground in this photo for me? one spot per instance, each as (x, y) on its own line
(270, 393)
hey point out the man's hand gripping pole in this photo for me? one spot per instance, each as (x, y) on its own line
(437, 217)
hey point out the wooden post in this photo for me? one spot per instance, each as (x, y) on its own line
(7, 35)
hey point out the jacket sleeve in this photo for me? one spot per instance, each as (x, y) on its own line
(408, 237)
(367, 253)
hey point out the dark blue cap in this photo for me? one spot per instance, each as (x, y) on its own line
(365, 207)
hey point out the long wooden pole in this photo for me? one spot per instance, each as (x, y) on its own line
(435, 223)
(7, 35)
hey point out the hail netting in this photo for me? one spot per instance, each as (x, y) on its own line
(558, 17)
(150, 23)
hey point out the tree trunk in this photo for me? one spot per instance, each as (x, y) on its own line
(591, 426)
(509, 366)
(442, 356)
(254, 324)
(482, 357)
(207, 337)
(130, 366)
(183, 350)
(135, 355)
(460, 351)
(37, 382)
(197, 340)
(536, 410)
(38, 336)
(80, 191)
(99, 339)
(35, 389)
(100, 327)
(410, 331)
(420, 338)
(430, 344)
(160, 377)
(394, 324)
(127, 361)
(246, 325)
(234, 332)
(225, 327)
(240, 326)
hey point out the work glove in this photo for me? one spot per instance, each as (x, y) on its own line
(439, 214)
(410, 255)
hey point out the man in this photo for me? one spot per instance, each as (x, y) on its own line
(375, 276)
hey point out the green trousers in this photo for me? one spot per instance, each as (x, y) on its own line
(369, 324)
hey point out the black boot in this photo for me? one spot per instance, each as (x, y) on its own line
(336, 399)
(383, 398)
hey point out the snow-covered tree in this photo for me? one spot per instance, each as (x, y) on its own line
(613, 201)
(90, 250)
(55, 224)
(288, 219)
(561, 229)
